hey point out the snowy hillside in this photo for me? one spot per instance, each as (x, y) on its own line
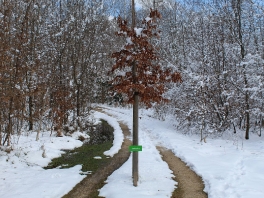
(230, 167)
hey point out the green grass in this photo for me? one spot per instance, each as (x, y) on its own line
(83, 155)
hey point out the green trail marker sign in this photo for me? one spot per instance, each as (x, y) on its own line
(135, 148)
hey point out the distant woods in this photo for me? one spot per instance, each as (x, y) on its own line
(55, 58)
(218, 46)
(53, 61)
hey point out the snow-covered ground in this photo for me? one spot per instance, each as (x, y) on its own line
(230, 167)
(118, 134)
(21, 172)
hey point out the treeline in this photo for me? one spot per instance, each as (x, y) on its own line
(219, 48)
(54, 57)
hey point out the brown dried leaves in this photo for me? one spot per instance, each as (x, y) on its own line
(149, 79)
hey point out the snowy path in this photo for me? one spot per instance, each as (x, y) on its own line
(90, 184)
(230, 167)
(191, 185)
(155, 177)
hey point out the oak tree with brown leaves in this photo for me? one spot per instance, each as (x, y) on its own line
(150, 78)
(137, 70)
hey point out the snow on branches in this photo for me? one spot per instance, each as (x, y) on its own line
(149, 78)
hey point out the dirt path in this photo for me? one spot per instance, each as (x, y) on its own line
(190, 185)
(87, 187)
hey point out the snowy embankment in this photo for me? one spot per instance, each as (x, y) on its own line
(118, 135)
(230, 167)
(22, 174)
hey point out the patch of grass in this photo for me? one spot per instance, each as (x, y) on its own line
(84, 155)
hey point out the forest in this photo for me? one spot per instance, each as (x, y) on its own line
(55, 58)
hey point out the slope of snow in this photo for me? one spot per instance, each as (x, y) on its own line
(21, 172)
(230, 168)
(118, 135)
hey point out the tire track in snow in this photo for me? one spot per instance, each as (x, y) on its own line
(155, 177)
(190, 185)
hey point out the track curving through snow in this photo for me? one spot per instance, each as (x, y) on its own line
(190, 185)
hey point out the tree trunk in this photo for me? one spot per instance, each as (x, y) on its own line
(247, 116)
(30, 109)
(103, 93)
(78, 106)
(38, 132)
(1, 135)
(238, 13)
(135, 138)
(10, 124)
(260, 125)
(135, 111)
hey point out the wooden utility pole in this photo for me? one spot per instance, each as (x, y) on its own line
(135, 110)
(139, 57)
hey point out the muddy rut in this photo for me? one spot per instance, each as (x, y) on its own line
(190, 185)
